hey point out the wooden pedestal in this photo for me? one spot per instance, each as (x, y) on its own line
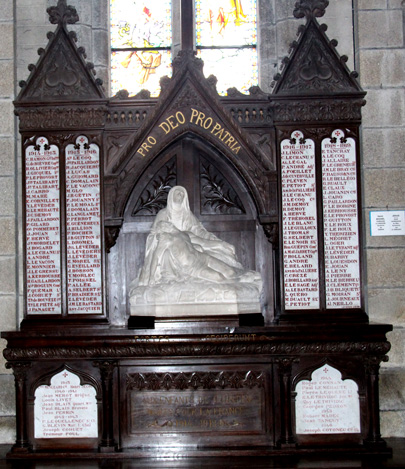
(194, 392)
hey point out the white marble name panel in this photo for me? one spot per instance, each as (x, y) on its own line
(83, 212)
(327, 404)
(300, 239)
(339, 185)
(42, 218)
(65, 409)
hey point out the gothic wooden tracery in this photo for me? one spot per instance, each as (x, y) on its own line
(241, 159)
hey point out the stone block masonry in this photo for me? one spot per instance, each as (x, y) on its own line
(381, 55)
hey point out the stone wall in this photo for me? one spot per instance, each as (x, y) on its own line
(372, 38)
(9, 245)
(380, 54)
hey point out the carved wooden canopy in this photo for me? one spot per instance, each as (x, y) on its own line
(63, 95)
(237, 135)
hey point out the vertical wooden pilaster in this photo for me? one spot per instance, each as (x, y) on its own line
(372, 365)
(286, 434)
(108, 442)
(22, 443)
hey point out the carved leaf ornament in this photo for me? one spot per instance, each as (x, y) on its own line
(310, 8)
(62, 14)
(154, 198)
(217, 195)
(204, 380)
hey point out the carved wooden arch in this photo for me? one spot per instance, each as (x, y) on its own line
(252, 172)
(342, 367)
(85, 378)
(163, 173)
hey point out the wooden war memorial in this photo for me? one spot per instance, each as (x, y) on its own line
(276, 175)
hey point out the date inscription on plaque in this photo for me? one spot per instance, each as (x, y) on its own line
(300, 239)
(327, 404)
(65, 408)
(83, 213)
(43, 228)
(191, 411)
(339, 181)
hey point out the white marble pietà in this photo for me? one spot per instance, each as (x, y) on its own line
(189, 271)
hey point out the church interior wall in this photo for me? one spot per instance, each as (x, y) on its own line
(381, 63)
(369, 32)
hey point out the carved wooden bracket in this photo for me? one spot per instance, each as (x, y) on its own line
(110, 236)
(272, 233)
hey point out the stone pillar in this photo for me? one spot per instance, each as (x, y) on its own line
(266, 40)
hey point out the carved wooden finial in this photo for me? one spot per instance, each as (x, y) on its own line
(62, 14)
(310, 8)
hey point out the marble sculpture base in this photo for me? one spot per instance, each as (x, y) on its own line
(195, 299)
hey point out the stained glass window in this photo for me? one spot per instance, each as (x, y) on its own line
(141, 38)
(226, 41)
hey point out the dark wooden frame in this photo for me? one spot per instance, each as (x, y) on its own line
(291, 344)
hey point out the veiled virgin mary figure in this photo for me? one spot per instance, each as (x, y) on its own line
(189, 271)
(179, 248)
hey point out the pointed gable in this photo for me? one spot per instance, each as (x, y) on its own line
(314, 66)
(61, 73)
(189, 105)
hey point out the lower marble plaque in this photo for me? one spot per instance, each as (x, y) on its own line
(190, 411)
(327, 403)
(65, 408)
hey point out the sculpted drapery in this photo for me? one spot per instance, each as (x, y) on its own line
(185, 266)
(179, 248)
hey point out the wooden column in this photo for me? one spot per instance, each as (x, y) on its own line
(108, 442)
(372, 365)
(284, 372)
(22, 443)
